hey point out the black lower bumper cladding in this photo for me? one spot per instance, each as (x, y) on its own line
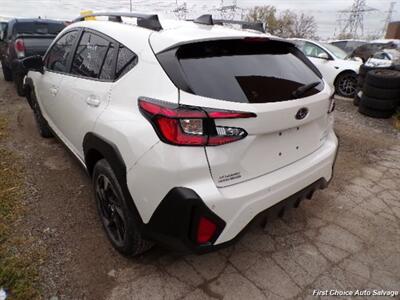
(174, 223)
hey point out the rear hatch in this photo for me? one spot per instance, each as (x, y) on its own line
(260, 76)
(37, 35)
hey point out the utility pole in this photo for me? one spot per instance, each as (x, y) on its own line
(130, 5)
(354, 23)
(180, 11)
(228, 12)
(388, 18)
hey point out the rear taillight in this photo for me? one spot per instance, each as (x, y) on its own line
(205, 230)
(191, 126)
(19, 48)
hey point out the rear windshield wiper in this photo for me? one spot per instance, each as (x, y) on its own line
(303, 89)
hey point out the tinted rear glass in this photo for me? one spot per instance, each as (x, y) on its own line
(89, 56)
(38, 27)
(246, 70)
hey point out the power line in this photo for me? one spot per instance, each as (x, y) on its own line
(354, 23)
(181, 10)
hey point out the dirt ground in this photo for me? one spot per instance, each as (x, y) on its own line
(347, 237)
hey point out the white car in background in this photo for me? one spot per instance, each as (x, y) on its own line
(384, 59)
(338, 71)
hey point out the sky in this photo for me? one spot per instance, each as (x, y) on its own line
(325, 12)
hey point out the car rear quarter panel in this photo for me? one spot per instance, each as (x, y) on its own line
(122, 122)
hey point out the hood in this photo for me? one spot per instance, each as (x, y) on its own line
(367, 50)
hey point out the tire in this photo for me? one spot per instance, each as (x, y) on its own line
(119, 222)
(6, 72)
(379, 104)
(385, 79)
(380, 93)
(19, 84)
(360, 81)
(346, 84)
(43, 126)
(364, 70)
(374, 113)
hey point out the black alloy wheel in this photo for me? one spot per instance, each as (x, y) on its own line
(110, 209)
(346, 85)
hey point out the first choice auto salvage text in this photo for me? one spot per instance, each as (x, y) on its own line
(355, 293)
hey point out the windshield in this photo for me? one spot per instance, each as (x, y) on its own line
(339, 53)
(247, 70)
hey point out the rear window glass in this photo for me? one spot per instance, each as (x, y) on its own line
(37, 27)
(245, 70)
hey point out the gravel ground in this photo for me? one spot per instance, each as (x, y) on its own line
(347, 237)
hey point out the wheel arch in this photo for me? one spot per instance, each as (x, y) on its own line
(347, 71)
(29, 87)
(95, 148)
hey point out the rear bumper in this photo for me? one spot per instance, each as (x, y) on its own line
(173, 223)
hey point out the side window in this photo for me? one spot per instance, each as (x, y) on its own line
(90, 55)
(312, 50)
(57, 58)
(125, 62)
(108, 69)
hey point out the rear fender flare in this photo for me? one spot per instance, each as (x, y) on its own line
(93, 143)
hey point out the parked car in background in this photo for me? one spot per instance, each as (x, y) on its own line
(348, 46)
(384, 58)
(339, 71)
(3, 25)
(189, 130)
(20, 38)
(366, 51)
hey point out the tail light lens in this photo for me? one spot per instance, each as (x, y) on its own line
(205, 230)
(191, 126)
(19, 48)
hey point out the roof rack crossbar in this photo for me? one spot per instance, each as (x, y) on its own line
(208, 20)
(149, 21)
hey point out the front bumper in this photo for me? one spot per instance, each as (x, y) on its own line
(174, 221)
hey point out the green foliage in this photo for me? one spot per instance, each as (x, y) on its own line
(18, 264)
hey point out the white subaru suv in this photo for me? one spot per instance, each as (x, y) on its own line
(189, 129)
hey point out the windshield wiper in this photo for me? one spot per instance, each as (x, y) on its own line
(303, 89)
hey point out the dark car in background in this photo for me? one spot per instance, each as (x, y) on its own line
(348, 46)
(20, 38)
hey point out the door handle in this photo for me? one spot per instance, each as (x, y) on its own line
(93, 101)
(53, 91)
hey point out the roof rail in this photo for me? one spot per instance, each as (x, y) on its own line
(208, 20)
(149, 21)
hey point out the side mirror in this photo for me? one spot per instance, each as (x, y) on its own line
(2, 35)
(323, 55)
(33, 63)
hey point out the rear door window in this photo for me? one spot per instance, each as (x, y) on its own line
(245, 70)
(90, 55)
(108, 69)
(58, 56)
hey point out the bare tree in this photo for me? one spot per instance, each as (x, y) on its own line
(265, 14)
(286, 24)
(304, 26)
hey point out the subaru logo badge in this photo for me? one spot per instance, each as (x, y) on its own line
(302, 113)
